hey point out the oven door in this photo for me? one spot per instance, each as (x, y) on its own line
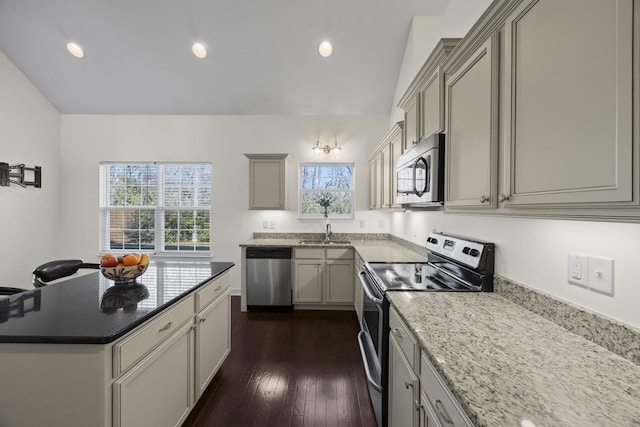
(373, 345)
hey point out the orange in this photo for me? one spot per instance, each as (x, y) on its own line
(130, 259)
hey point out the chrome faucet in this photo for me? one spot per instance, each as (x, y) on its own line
(328, 232)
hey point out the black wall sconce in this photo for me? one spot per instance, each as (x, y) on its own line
(16, 174)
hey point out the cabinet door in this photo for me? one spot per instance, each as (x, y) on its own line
(411, 123)
(357, 286)
(339, 282)
(213, 340)
(471, 147)
(373, 184)
(158, 391)
(427, 416)
(569, 121)
(308, 281)
(267, 181)
(432, 105)
(396, 152)
(403, 389)
(386, 160)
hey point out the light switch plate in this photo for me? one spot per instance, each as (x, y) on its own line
(272, 225)
(578, 269)
(601, 275)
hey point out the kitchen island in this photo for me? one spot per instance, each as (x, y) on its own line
(86, 352)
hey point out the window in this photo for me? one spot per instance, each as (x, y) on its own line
(326, 187)
(155, 207)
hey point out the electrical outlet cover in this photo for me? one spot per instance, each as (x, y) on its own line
(578, 269)
(601, 275)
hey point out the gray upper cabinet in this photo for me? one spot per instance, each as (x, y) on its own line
(431, 98)
(382, 164)
(472, 143)
(541, 111)
(424, 100)
(267, 181)
(568, 105)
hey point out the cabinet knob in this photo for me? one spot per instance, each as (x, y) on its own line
(397, 333)
(203, 319)
(484, 199)
(503, 198)
(408, 385)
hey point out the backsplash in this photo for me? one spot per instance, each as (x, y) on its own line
(617, 337)
(316, 236)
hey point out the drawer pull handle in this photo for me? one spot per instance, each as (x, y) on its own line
(408, 385)
(397, 333)
(165, 327)
(484, 199)
(218, 288)
(442, 413)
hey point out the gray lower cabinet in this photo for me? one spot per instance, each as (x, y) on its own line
(323, 276)
(417, 394)
(152, 376)
(403, 388)
(157, 391)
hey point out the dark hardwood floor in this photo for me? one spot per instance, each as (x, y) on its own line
(300, 368)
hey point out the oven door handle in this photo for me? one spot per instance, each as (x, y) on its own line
(367, 291)
(365, 362)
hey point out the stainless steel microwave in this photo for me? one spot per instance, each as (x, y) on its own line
(420, 173)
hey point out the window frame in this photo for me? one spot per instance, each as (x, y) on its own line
(159, 210)
(331, 216)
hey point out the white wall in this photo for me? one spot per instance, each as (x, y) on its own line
(425, 33)
(88, 139)
(29, 134)
(530, 251)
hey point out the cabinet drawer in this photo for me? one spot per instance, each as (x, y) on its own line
(308, 253)
(445, 406)
(209, 292)
(339, 253)
(140, 342)
(405, 339)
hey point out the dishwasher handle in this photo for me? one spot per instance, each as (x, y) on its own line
(268, 253)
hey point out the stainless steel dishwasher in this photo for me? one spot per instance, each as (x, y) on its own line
(268, 278)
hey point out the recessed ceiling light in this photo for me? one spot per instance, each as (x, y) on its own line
(199, 50)
(75, 50)
(325, 49)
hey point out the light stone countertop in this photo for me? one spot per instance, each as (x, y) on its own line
(506, 364)
(369, 250)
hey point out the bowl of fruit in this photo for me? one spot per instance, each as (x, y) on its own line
(123, 270)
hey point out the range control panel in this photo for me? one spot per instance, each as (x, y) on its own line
(464, 251)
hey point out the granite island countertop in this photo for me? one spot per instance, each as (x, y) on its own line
(506, 364)
(90, 309)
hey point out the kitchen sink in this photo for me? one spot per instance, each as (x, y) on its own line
(324, 242)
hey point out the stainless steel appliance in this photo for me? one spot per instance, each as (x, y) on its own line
(420, 173)
(454, 264)
(268, 278)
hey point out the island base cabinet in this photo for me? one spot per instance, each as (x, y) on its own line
(213, 340)
(158, 391)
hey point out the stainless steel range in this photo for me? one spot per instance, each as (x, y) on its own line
(454, 264)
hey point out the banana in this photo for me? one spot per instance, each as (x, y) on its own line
(144, 259)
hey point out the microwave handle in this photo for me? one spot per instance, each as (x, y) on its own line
(415, 189)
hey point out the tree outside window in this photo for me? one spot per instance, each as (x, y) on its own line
(326, 188)
(160, 207)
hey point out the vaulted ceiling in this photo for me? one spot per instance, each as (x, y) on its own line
(262, 54)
